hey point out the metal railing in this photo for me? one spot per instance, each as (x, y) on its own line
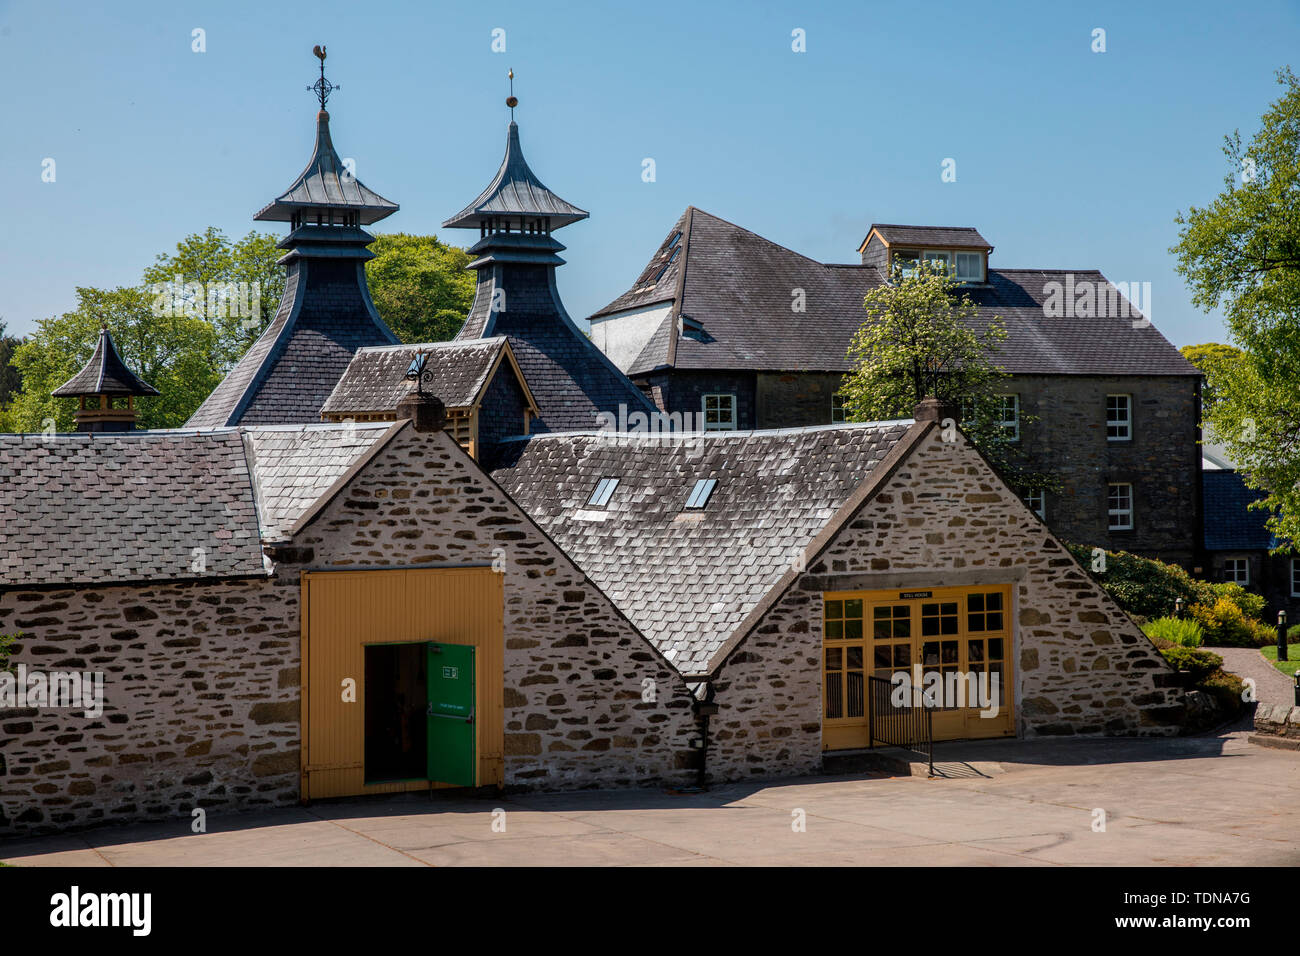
(909, 725)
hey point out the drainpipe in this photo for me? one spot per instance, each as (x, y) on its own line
(703, 710)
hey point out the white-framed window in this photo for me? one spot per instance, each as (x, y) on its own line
(1119, 506)
(969, 267)
(1037, 501)
(1237, 570)
(837, 409)
(1295, 577)
(1119, 417)
(939, 256)
(1009, 416)
(720, 411)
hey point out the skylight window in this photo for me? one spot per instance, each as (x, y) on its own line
(701, 492)
(604, 489)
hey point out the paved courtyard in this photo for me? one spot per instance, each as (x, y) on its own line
(1187, 802)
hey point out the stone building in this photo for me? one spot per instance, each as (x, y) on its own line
(466, 591)
(742, 333)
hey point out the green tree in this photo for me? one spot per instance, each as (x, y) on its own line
(924, 337)
(1214, 360)
(420, 286)
(11, 382)
(234, 285)
(1242, 253)
(173, 353)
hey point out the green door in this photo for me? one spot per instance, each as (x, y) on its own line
(451, 714)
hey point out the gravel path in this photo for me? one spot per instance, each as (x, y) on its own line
(1271, 685)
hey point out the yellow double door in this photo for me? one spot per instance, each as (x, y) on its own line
(953, 644)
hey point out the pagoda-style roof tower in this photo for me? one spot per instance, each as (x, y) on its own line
(106, 378)
(515, 257)
(326, 313)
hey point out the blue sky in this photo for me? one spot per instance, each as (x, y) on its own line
(1065, 158)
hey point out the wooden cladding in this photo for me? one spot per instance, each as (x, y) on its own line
(343, 612)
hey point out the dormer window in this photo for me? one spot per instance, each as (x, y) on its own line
(963, 266)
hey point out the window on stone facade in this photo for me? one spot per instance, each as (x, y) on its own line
(1009, 416)
(837, 409)
(1119, 417)
(720, 412)
(1237, 570)
(1037, 501)
(1295, 577)
(1119, 506)
(604, 489)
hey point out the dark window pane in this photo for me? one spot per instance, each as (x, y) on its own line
(995, 601)
(853, 630)
(834, 609)
(949, 624)
(834, 658)
(853, 608)
(902, 655)
(930, 653)
(881, 630)
(950, 652)
(881, 656)
(975, 651)
(854, 658)
(975, 602)
(995, 621)
(975, 622)
(929, 626)
(834, 701)
(995, 648)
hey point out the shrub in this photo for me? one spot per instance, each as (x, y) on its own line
(1224, 625)
(1144, 587)
(1184, 633)
(1292, 634)
(1250, 605)
(1200, 664)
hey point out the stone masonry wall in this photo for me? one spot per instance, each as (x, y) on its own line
(200, 703)
(944, 519)
(574, 666)
(202, 681)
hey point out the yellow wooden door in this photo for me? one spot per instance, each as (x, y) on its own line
(954, 641)
(342, 613)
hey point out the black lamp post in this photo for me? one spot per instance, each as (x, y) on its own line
(1178, 609)
(1281, 635)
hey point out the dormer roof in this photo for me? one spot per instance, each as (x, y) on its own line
(934, 237)
(326, 184)
(104, 374)
(516, 191)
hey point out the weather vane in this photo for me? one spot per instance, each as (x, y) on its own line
(322, 87)
(512, 101)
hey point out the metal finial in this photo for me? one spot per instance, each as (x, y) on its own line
(512, 101)
(322, 87)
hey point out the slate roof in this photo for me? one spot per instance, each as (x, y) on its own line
(516, 191)
(288, 373)
(738, 287)
(376, 381)
(688, 579)
(104, 374)
(132, 506)
(294, 466)
(1230, 524)
(940, 236)
(128, 506)
(326, 184)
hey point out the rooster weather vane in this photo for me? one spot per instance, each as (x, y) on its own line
(322, 87)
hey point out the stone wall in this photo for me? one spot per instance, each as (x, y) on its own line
(683, 392)
(575, 667)
(200, 703)
(944, 519)
(202, 679)
(1162, 461)
(791, 399)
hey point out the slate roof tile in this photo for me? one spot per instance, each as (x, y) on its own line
(688, 579)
